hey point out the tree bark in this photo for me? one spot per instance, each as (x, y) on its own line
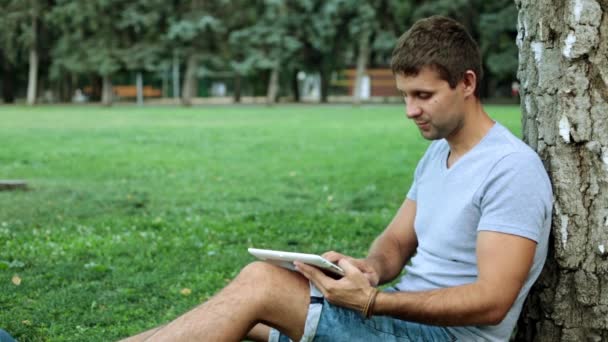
(325, 75)
(32, 85)
(362, 60)
(273, 86)
(295, 86)
(106, 91)
(139, 83)
(237, 88)
(176, 76)
(563, 71)
(8, 81)
(165, 83)
(190, 87)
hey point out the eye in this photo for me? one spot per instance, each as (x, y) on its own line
(424, 95)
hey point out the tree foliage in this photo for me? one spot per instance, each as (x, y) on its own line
(248, 39)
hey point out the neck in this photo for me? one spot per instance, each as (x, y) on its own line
(475, 126)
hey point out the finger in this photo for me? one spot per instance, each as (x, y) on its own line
(313, 274)
(332, 256)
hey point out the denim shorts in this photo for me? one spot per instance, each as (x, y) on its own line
(331, 323)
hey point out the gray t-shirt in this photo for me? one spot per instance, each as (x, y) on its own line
(499, 185)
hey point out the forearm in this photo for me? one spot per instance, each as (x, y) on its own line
(388, 257)
(471, 304)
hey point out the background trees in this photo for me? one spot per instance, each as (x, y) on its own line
(53, 47)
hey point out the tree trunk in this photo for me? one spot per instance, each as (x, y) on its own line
(295, 86)
(190, 88)
(139, 83)
(564, 90)
(325, 74)
(165, 83)
(362, 60)
(32, 85)
(237, 88)
(106, 91)
(176, 77)
(63, 85)
(8, 81)
(273, 86)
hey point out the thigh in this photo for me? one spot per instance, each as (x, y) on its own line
(286, 296)
(337, 324)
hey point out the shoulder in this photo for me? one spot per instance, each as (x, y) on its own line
(512, 154)
(513, 169)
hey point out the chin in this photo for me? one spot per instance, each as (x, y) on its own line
(430, 135)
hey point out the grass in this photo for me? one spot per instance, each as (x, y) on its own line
(137, 214)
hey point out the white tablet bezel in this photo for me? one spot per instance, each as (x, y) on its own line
(286, 259)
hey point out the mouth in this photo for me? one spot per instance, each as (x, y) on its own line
(423, 125)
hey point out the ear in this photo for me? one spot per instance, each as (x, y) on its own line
(469, 82)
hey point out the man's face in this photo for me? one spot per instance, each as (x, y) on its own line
(437, 109)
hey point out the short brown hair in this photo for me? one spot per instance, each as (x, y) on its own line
(442, 44)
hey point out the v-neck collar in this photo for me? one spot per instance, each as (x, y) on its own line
(446, 155)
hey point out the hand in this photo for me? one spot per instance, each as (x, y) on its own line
(351, 291)
(368, 271)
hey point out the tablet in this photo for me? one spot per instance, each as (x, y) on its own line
(286, 259)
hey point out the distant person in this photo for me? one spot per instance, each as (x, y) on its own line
(79, 96)
(515, 89)
(472, 232)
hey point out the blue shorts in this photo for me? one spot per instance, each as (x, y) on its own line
(5, 337)
(331, 323)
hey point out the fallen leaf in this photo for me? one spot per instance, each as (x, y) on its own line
(16, 280)
(186, 291)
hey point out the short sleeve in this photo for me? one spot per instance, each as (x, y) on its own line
(413, 189)
(516, 197)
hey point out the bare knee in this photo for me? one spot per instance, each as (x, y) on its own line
(281, 296)
(266, 283)
(261, 273)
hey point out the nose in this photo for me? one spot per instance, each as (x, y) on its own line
(412, 110)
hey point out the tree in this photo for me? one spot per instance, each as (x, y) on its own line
(362, 26)
(564, 75)
(142, 24)
(196, 30)
(32, 84)
(492, 24)
(322, 29)
(96, 36)
(497, 32)
(266, 45)
(21, 21)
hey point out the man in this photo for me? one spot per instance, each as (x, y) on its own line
(473, 230)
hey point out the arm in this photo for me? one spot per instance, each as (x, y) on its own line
(504, 261)
(503, 264)
(390, 250)
(395, 246)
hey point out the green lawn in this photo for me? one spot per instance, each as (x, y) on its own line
(130, 206)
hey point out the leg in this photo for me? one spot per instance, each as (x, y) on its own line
(261, 293)
(259, 333)
(141, 337)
